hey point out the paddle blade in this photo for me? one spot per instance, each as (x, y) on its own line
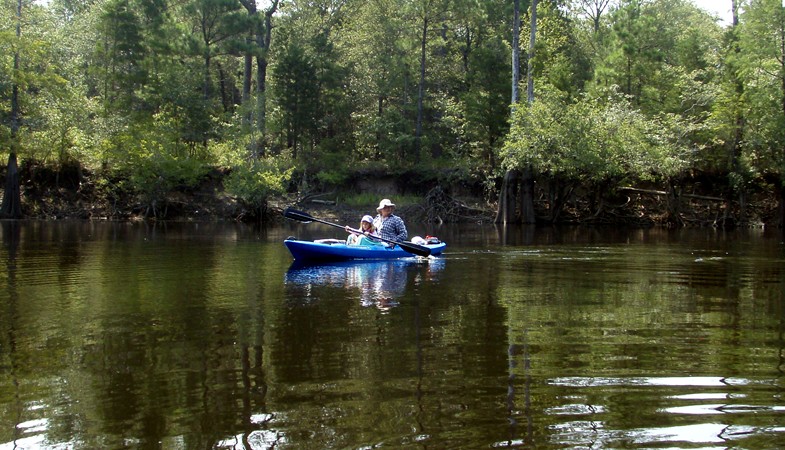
(291, 213)
(415, 249)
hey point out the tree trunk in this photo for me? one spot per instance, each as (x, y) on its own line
(506, 212)
(420, 93)
(674, 206)
(261, 102)
(529, 63)
(206, 87)
(558, 193)
(508, 194)
(780, 189)
(516, 52)
(378, 132)
(739, 122)
(226, 97)
(247, 77)
(528, 215)
(249, 6)
(12, 199)
(263, 39)
(15, 112)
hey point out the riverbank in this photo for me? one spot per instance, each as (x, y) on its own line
(50, 196)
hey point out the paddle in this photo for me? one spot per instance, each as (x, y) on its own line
(304, 217)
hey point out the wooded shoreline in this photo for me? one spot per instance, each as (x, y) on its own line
(47, 195)
(635, 112)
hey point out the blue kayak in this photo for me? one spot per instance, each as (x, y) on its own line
(330, 250)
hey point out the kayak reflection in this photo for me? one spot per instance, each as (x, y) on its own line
(375, 283)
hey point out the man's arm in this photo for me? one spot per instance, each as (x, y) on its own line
(401, 229)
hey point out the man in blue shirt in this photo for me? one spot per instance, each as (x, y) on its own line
(390, 226)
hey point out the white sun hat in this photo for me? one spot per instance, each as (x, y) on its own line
(385, 202)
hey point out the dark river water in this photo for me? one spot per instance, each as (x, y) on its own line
(202, 336)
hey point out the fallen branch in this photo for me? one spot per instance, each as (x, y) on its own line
(663, 193)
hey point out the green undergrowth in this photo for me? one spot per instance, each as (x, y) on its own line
(367, 200)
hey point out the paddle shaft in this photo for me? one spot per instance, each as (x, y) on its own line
(305, 217)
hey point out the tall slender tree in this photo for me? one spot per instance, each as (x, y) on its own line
(119, 54)
(515, 182)
(12, 202)
(593, 9)
(258, 46)
(516, 52)
(216, 24)
(733, 62)
(505, 212)
(296, 81)
(421, 85)
(530, 57)
(263, 41)
(527, 177)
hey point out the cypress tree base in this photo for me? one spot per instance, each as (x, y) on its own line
(12, 199)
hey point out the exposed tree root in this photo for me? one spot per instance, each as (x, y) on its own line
(439, 207)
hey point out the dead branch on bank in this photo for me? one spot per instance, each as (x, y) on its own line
(309, 197)
(650, 206)
(654, 192)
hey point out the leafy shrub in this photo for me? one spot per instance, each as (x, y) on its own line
(254, 181)
(159, 172)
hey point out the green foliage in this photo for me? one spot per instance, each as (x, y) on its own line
(155, 89)
(369, 201)
(594, 139)
(153, 171)
(37, 77)
(653, 48)
(332, 177)
(296, 86)
(559, 61)
(120, 53)
(332, 169)
(761, 67)
(255, 180)
(484, 107)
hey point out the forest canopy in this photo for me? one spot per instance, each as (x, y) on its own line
(282, 93)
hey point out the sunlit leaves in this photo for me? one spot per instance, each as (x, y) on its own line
(762, 68)
(254, 181)
(120, 52)
(101, 77)
(38, 76)
(653, 47)
(593, 139)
